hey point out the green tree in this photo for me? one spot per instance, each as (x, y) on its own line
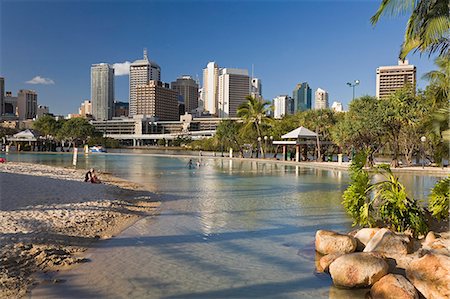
(428, 25)
(254, 114)
(76, 130)
(228, 134)
(47, 125)
(439, 199)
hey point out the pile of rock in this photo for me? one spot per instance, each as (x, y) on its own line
(394, 265)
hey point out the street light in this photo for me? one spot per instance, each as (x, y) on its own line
(423, 139)
(271, 143)
(352, 85)
(265, 145)
(259, 147)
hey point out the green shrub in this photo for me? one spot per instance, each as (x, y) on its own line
(439, 199)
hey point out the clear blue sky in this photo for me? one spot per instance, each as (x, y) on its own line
(325, 43)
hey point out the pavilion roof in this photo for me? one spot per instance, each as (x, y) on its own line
(300, 132)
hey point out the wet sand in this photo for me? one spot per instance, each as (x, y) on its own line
(49, 216)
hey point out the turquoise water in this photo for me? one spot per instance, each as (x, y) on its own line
(229, 229)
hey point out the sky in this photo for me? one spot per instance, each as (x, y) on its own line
(49, 46)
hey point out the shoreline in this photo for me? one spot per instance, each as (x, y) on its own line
(49, 217)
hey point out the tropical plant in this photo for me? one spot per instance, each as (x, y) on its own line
(384, 202)
(254, 114)
(227, 133)
(428, 25)
(438, 203)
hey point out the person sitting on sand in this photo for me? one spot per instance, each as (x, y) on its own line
(88, 176)
(94, 178)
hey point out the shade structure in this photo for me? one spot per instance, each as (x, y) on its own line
(300, 132)
(27, 135)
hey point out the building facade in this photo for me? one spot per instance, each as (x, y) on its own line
(188, 89)
(155, 99)
(234, 87)
(337, 107)
(102, 91)
(392, 78)
(141, 71)
(321, 99)
(85, 109)
(42, 110)
(121, 109)
(302, 97)
(2, 96)
(256, 88)
(210, 87)
(10, 105)
(26, 104)
(282, 105)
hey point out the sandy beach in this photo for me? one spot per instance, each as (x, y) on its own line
(49, 216)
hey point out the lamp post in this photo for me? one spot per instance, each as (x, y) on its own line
(352, 85)
(259, 147)
(265, 145)
(271, 143)
(423, 139)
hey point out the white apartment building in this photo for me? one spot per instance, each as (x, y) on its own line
(337, 107)
(234, 87)
(321, 99)
(281, 106)
(392, 78)
(141, 71)
(102, 91)
(256, 88)
(210, 87)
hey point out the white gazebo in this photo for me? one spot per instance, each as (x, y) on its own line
(297, 134)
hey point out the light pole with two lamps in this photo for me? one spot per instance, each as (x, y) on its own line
(352, 85)
(423, 139)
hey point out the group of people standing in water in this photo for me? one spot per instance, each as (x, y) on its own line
(191, 165)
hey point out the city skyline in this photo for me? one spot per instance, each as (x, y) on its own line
(350, 47)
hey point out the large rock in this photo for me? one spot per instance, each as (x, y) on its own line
(358, 269)
(431, 275)
(393, 286)
(389, 243)
(328, 242)
(326, 260)
(365, 234)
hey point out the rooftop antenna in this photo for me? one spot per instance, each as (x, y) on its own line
(145, 54)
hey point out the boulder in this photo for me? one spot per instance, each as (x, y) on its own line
(389, 243)
(393, 286)
(328, 242)
(326, 260)
(359, 269)
(365, 234)
(431, 275)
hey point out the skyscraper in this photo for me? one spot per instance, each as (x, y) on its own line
(321, 99)
(188, 89)
(156, 99)
(302, 97)
(210, 87)
(27, 104)
(2, 96)
(281, 106)
(102, 91)
(234, 87)
(256, 88)
(141, 71)
(392, 78)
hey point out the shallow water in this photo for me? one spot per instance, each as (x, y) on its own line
(227, 230)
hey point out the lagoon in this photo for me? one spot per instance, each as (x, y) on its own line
(230, 229)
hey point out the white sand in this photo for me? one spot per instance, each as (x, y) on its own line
(48, 214)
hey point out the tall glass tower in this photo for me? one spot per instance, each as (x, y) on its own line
(102, 91)
(302, 97)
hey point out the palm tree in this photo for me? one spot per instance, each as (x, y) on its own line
(428, 25)
(253, 112)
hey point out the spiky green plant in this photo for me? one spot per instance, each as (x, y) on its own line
(438, 203)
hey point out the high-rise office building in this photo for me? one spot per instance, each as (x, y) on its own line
(2, 96)
(121, 109)
(10, 104)
(142, 71)
(321, 99)
(102, 91)
(211, 87)
(282, 106)
(392, 78)
(27, 104)
(256, 88)
(156, 99)
(234, 87)
(85, 108)
(302, 97)
(188, 89)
